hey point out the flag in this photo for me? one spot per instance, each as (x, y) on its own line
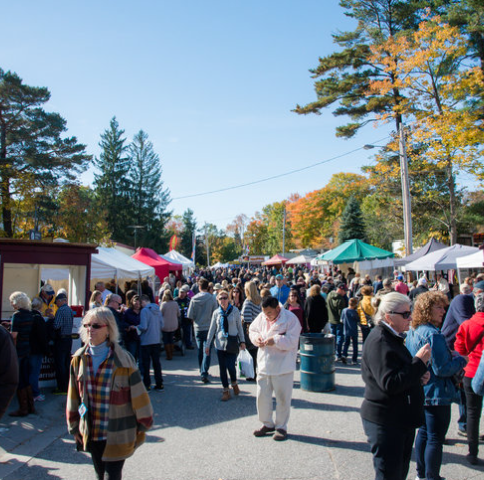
(173, 242)
(194, 247)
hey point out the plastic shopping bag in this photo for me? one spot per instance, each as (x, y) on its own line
(245, 365)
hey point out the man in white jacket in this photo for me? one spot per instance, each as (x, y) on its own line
(276, 332)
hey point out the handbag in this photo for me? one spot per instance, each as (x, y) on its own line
(230, 344)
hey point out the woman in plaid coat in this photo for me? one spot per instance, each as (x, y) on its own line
(108, 408)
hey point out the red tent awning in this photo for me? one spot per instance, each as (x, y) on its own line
(276, 260)
(162, 267)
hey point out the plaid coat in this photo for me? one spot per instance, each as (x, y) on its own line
(130, 412)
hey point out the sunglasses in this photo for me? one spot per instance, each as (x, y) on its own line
(405, 315)
(223, 298)
(95, 326)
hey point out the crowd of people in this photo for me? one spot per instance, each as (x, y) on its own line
(422, 347)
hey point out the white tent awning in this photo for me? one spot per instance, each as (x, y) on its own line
(444, 259)
(110, 263)
(177, 257)
(474, 260)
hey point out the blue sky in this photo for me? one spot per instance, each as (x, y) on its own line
(211, 82)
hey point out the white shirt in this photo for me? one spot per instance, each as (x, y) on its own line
(279, 358)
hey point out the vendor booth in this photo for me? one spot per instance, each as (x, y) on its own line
(276, 260)
(431, 246)
(161, 266)
(444, 259)
(177, 257)
(300, 260)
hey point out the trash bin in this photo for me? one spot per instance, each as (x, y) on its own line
(317, 362)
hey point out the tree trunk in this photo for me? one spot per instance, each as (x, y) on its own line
(5, 185)
(452, 201)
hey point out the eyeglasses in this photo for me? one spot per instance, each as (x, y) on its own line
(405, 315)
(95, 326)
(223, 298)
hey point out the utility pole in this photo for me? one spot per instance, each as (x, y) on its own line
(284, 233)
(135, 228)
(407, 205)
(207, 245)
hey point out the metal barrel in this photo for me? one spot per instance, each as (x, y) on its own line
(317, 362)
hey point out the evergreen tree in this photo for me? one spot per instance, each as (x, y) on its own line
(189, 230)
(148, 198)
(352, 224)
(111, 183)
(32, 151)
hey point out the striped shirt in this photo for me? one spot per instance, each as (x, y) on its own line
(98, 393)
(63, 320)
(249, 311)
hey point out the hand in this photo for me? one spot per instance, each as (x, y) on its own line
(269, 341)
(242, 345)
(259, 342)
(424, 353)
(425, 378)
(78, 438)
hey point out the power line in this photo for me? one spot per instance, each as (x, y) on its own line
(273, 177)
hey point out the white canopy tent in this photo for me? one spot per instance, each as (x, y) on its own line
(444, 259)
(177, 257)
(300, 260)
(474, 260)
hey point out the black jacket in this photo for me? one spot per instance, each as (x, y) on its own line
(8, 370)
(316, 313)
(393, 393)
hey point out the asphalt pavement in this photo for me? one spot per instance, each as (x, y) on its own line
(198, 437)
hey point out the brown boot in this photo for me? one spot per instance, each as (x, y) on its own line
(30, 400)
(236, 388)
(225, 395)
(23, 410)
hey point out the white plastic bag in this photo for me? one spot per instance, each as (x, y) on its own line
(245, 365)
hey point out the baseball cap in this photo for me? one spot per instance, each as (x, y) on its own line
(341, 285)
(422, 281)
(400, 277)
(61, 296)
(279, 277)
(47, 288)
(479, 285)
(185, 288)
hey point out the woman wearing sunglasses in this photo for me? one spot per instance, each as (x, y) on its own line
(108, 408)
(427, 316)
(393, 404)
(226, 328)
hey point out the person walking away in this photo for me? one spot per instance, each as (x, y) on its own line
(171, 322)
(149, 330)
(200, 310)
(63, 322)
(428, 313)
(401, 286)
(186, 323)
(250, 309)
(225, 326)
(470, 341)
(132, 318)
(350, 318)
(21, 329)
(337, 302)
(108, 410)
(39, 346)
(366, 311)
(275, 331)
(393, 405)
(316, 310)
(9, 374)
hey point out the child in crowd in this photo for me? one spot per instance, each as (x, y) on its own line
(349, 318)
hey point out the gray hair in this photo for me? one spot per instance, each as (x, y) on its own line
(465, 289)
(36, 303)
(20, 300)
(390, 303)
(479, 301)
(104, 316)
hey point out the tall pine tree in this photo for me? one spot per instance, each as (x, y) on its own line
(352, 224)
(189, 231)
(111, 183)
(148, 198)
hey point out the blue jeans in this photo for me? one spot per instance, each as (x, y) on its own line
(187, 334)
(391, 448)
(35, 366)
(168, 338)
(430, 441)
(133, 346)
(337, 331)
(62, 359)
(203, 360)
(354, 341)
(462, 420)
(226, 361)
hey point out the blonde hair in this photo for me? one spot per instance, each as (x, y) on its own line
(167, 296)
(20, 300)
(390, 303)
(94, 295)
(314, 291)
(252, 293)
(422, 309)
(106, 317)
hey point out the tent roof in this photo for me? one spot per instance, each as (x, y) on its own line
(276, 260)
(354, 251)
(431, 246)
(110, 262)
(444, 259)
(474, 260)
(299, 260)
(162, 267)
(177, 257)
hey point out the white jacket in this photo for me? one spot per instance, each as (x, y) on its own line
(279, 358)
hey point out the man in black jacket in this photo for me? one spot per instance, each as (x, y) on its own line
(8, 370)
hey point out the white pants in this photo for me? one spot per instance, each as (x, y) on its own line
(282, 386)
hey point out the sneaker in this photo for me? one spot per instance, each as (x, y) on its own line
(354, 362)
(205, 380)
(343, 359)
(263, 431)
(39, 398)
(159, 387)
(462, 433)
(472, 459)
(280, 435)
(423, 478)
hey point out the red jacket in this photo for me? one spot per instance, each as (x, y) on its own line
(467, 336)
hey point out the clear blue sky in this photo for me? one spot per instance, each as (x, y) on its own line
(211, 82)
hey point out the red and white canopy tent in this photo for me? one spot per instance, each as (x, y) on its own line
(275, 260)
(162, 266)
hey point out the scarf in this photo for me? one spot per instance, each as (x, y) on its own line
(224, 319)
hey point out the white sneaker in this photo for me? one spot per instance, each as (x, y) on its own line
(39, 398)
(420, 478)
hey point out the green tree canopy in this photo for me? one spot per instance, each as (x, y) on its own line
(352, 224)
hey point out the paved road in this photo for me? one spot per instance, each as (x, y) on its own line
(197, 437)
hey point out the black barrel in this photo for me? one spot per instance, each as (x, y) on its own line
(317, 362)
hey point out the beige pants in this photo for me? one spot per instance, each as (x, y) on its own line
(281, 386)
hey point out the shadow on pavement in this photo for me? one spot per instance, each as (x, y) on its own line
(306, 404)
(31, 472)
(326, 442)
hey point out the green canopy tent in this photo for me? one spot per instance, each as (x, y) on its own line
(354, 251)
